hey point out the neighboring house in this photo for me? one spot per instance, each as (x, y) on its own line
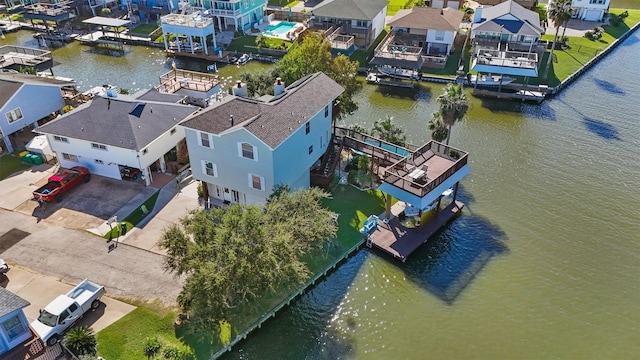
(442, 4)
(505, 39)
(417, 35)
(348, 23)
(589, 10)
(24, 100)
(529, 4)
(241, 147)
(109, 134)
(227, 14)
(14, 326)
(188, 31)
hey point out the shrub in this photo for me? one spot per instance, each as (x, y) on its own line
(624, 15)
(170, 352)
(81, 341)
(151, 346)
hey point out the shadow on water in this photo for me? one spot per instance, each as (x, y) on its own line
(608, 86)
(107, 51)
(455, 255)
(631, 40)
(306, 321)
(542, 111)
(601, 128)
(417, 93)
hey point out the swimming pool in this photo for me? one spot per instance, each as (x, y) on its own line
(280, 29)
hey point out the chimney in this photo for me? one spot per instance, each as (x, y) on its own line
(278, 87)
(477, 16)
(231, 119)
(240, 89)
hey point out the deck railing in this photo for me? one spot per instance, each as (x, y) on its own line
(506, 58)
(176, 79)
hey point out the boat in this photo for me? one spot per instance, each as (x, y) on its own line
(399, 73)
(382, 79)
(53, 36)
(185, 46)
(489, 80)
(245, 58)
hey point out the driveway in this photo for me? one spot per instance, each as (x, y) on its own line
(17, 188)
(40, 289)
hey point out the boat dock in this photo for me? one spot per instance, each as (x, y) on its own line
(15, 57)
(399, 241)
(521, 94)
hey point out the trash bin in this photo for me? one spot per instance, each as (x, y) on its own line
(123, 228)
(27, 158)
(36, 159)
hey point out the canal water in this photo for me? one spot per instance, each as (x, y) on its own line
(544, 262)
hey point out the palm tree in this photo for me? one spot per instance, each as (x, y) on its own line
(438, 129)
(387, 131)
(81, 341)
(454, 105)
(559, 12)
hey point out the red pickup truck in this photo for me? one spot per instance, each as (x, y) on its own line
(61, 182)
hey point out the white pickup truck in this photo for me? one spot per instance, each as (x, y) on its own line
(60, 314)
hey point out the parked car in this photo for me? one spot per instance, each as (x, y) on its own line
(61, 182)
(65, 310)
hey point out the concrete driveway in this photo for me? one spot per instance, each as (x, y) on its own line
(40, 289)
(17, 188)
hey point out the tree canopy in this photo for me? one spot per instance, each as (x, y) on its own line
(453, 106)
(235, 255)
(311, 55)
(386, 130)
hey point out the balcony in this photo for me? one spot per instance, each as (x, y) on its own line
(505, 62)
(394, 51)
(225, 13)
(175, 80)
(191, 20)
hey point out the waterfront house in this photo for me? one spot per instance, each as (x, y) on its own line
(113, 133)
(241, 147)
(505, 40)
(226, 14)
(349, 23)
(14, 326)
(589, 10)
(529, 4)
(419, 35)
(18, 108)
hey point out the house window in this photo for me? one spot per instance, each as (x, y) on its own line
(326, 111)
(98, 161)
(361, 23)
(248, 151)
(307, 127)
(439, 35)
(205, 141)
(310, 149)
(256, 182)
(61, 139)
(70, 157)
(173, 131)
(14, 115)
(246, 4)
(596, 2)
(98, 146)
(253, 2)
(14, 327)
(209, 168)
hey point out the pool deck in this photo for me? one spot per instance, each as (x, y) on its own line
(264, 30)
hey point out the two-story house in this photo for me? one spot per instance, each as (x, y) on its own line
(227, 14)
(241, 147)
(18, 110)
(14, 326)
(589, 10)
(349, 22)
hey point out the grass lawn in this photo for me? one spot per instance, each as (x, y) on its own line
(11, 163)
(395, 5)
(134, 218)
(247, 43)
(363, 56)
(283, 3)
(450, 68)
(144, 29)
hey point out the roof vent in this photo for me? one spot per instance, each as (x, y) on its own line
(278, 87)
(231, 119)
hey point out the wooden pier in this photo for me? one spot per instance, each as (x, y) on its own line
(522, 94)
(399, 241)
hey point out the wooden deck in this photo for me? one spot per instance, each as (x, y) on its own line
(399, 241)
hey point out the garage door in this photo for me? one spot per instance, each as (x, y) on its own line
(593, 15)
(437, 4)
(453, 4)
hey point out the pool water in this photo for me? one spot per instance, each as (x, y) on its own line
(281, 28)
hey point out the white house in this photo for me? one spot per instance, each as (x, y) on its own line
(24, 100)
(110, 133)
(436, 29)
(241, 147)
(14, 326)
(507, 22)
(589, 10)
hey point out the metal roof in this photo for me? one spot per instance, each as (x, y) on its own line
(104, 21)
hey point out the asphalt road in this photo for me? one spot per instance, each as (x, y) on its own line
(73, 255)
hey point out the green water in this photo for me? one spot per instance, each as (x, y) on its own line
(542, 264)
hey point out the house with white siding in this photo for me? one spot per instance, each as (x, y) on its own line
(241, 148)
(109, 134)
(14, 326)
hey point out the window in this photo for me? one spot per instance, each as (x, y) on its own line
(307, 127)
(98, 146)
(256, 182)
(69, 157)
(596, 2)
(61, 139)
(209, 168)
(326, 111)
(63, 316)
(14, 115)
(310, 149)
(98, 161)
(361, 23)
(14, 327)
(205, 141)
(247, 151)
(439, 35)
(246, 4)
(73, 307)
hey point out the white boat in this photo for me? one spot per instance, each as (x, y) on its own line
(399, 73)
(185, 46)
(245, 58)
(489, 80)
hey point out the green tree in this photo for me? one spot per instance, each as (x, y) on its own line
(453, 106)
(261, 41)
(388, 131)
(438, 129)
(81, 341)
(558, 12)
(151, 347)
(233, 256)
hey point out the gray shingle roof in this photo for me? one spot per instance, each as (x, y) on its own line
(272, 121)
(350, 9)
(420, 17)
(528, 24)
(122, 122)
(10, 302)
(155, 95)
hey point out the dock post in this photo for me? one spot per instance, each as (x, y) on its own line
(387, 211)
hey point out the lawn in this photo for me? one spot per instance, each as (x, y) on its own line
(395, 5)
(283, 3)
(9, 164)
(247, 44)
(145, 29)
(363, 56)
(134, 218)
